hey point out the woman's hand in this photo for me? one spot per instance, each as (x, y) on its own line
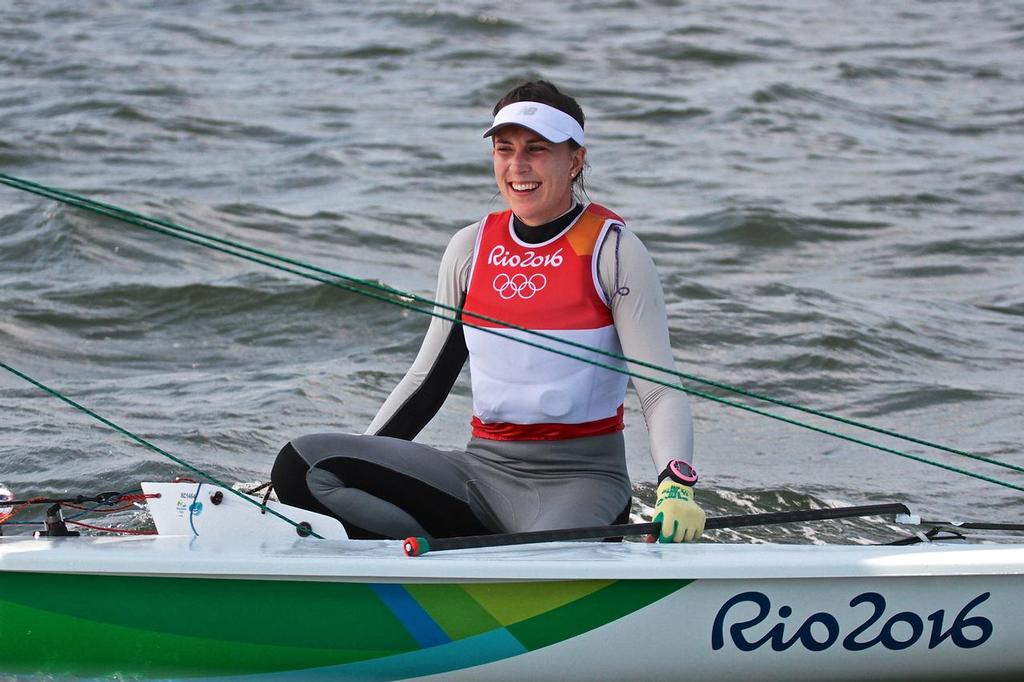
(682, 520)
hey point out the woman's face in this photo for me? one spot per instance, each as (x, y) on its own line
(535, 176)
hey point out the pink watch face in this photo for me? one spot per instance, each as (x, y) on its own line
(683, 472)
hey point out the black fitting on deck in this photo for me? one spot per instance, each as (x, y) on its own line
(55, 526)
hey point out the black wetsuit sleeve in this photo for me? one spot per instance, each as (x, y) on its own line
(426, 384)
(421, 406)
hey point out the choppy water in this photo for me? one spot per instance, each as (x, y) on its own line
(831, 192)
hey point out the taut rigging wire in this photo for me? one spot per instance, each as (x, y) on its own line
(426, 306)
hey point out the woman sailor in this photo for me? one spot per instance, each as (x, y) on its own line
(547, 448)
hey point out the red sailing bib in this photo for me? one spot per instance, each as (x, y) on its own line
(521, 392)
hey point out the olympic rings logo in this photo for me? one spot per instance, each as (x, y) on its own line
(520, 285)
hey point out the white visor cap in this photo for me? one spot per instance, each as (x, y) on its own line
(550, 123)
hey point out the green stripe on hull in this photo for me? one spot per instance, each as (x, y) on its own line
(510, 604)
(618, 599)
(282, 612)
(36, 641)
(92, 625)
(458, 614)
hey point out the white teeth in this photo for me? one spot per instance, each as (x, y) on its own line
(525, 186)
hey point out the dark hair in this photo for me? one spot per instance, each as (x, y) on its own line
(545, 93)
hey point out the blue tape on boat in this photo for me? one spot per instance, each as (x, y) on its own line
(417, 621)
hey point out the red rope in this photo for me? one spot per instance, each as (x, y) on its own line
(4, 518)
(98, 510)
(129, 501)
(124, 531)
(137, 497)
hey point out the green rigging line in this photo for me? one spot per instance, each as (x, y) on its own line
(145, 443)
(209, 241)
(148, 222)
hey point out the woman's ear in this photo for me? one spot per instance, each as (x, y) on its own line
(579, 159)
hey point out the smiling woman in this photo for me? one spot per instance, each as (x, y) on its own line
(538, 151)
(547, 450)
(534, 175)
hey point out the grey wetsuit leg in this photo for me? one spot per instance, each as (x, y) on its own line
(545, 485)
(388, 486)
(395, 488)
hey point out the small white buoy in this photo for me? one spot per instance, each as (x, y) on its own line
(5, 496)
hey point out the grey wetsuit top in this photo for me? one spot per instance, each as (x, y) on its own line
(640, 320)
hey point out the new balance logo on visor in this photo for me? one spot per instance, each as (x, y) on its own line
(519, 285)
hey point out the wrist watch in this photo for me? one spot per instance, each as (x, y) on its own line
(680, 471)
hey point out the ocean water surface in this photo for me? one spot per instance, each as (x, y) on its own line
(831, 194)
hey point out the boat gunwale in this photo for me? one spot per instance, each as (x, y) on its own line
(383, 561)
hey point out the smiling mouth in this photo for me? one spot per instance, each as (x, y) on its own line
(524, 186)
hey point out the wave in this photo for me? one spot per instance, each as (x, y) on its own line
(455, 22)
(671, 51)
(666, 115)
(759, 227)
(721, 500)
(781, 92)
(371, 51)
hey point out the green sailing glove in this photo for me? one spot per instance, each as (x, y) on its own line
(682, 520)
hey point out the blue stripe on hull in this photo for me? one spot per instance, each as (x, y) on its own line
(407, 610)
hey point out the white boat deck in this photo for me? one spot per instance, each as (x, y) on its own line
(365, 560)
